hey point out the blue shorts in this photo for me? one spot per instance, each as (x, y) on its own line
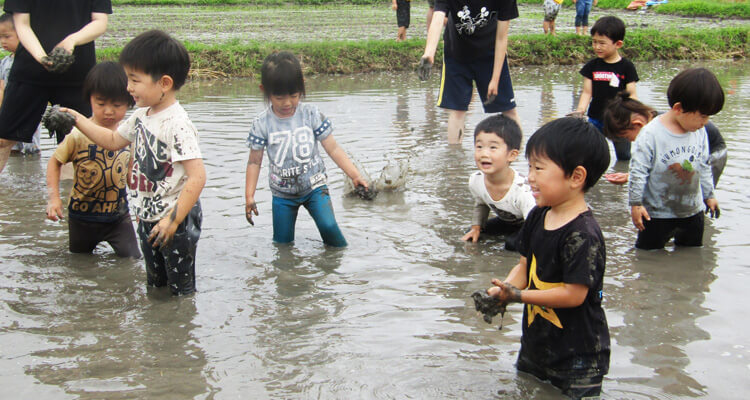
(318, 204)
(457, 83)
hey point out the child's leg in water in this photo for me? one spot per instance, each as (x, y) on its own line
(320, 208)
(284, 218)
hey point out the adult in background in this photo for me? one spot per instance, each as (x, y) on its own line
(41, 26)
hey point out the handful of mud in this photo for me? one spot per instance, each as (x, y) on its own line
(57, 122)
(489, 306)
(365, 193)
(58, 60)
(424, 69)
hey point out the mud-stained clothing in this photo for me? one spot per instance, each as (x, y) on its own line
(160, 141)
(174, 264)
(84, 236)
(564, 345)
(551, 9)
(511, 209)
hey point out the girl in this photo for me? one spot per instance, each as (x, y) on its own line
(290, 130)
(624, 117)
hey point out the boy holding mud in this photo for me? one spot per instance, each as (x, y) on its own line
(167, 173)
(565, 337)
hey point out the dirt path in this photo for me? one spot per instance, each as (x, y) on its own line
(214, 25)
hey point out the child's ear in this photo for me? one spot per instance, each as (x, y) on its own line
(166, 82)
(578, 178)
(512, 155)
(618, 44)
(677, 107)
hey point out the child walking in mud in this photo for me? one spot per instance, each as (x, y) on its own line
(403, 17)
(98, 205)
(565, 338)
(670, 176)
(497, 186)
(167, 173)
(291, 130)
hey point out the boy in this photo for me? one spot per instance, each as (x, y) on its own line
(167, 172)
(98, 206)
(551, 8)
(497, 140)
(670, 174)
(565, 337)
(9, 42)
(43, 25)
(476, 40)
(403, 17)
(606, 75)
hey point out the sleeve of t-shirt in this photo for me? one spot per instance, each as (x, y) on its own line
(127, 128)
(715, 140)
(101, 6)
(257, 138)
(321, 125)
(64, 151)
(441, 5)
(17, 6)
(581, 258)
(587, 71)
(632, 74)
(640, 167)
(508, 10)
(184, 141)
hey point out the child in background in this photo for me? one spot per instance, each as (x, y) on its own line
(624, 117)
(583, 9)
(9, 42)
(291, 130)
(606, 75)
(551, 8)
(565, 338)
(497, 140)
(670, 175)
(167, 174)
(98, 205)
(403, 17)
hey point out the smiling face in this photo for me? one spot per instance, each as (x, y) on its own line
(8, 37)
(491, 153)
(107, 112)
(549, 185)
(145, 91)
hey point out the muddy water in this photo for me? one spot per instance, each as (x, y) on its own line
(389, 316)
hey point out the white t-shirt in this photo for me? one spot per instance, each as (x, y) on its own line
(512, 208)
(160, 141)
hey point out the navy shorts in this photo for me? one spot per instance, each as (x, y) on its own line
(686, 232)
(403, 13)
(24, 104)
(458, 80)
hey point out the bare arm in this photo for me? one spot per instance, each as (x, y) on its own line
(252, 172)
(100, 135)
(27, 37)
(630, 88)
(501, 48)
(338, 156)
(54, 204)
(583, 103)
(433, 35)
(88, 33)
(2, 90)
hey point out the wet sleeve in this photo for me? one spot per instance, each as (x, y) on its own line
(707, 179)
(582, 258)
(640, 168)
(184, 138)
(101, 6)
(257, 139)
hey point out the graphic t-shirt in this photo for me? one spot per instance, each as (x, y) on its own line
(606, 81)
(99, 191)
(160, 141)
(52, 21)
(512, 208)
(296, 167)
(669, 173)
(565, 342)
(472, 26)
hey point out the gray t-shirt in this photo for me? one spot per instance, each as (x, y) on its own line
(296, 167)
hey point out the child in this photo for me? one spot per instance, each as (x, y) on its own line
(624, 117)
(551, 8)
(291, 131)
(167, 173)
(9, 42)
(476, 40)
(98, 206)
(583, 8)
(670, 176)
(606, 75)
(403, 17)
(565, 337)
(497, 140)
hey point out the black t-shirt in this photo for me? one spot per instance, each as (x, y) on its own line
(472, 25)
(565, 342)
(52, 21)
(607, 80)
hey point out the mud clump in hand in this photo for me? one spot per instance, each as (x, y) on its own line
(57, 122)
(365, 193)
(424, 69)
(489, 306)
(58, 60)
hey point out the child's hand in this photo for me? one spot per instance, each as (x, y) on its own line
(638, 213)
(505, 292)
(54, 209)
(712, 206)
(424, 69)
(250, 208)
(72, 112)
(359, 181)
(162, 233)
(618, 178)
(473, 234)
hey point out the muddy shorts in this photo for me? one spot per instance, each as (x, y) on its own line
(685, 231)
(83, 236)
(403, 13)
(551, 8)
(458, 82)
(173, 265)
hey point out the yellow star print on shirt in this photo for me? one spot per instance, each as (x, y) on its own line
(534, 310)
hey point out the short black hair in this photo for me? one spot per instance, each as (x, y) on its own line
(107, 79)
(502, 126)
(281, 74)
(157, 54)
(696, 89)
(7, 17)
(570, 142)
(609, 26)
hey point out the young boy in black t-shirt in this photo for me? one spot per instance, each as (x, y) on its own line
(559, 277)
(606, 75)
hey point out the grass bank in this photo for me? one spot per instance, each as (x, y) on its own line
(345, 57)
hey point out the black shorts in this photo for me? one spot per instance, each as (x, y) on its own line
(686, 232)
(24, 104)
(83, 236)
(458, 82)
(574, 388)
(173, 265)
(403, 13)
